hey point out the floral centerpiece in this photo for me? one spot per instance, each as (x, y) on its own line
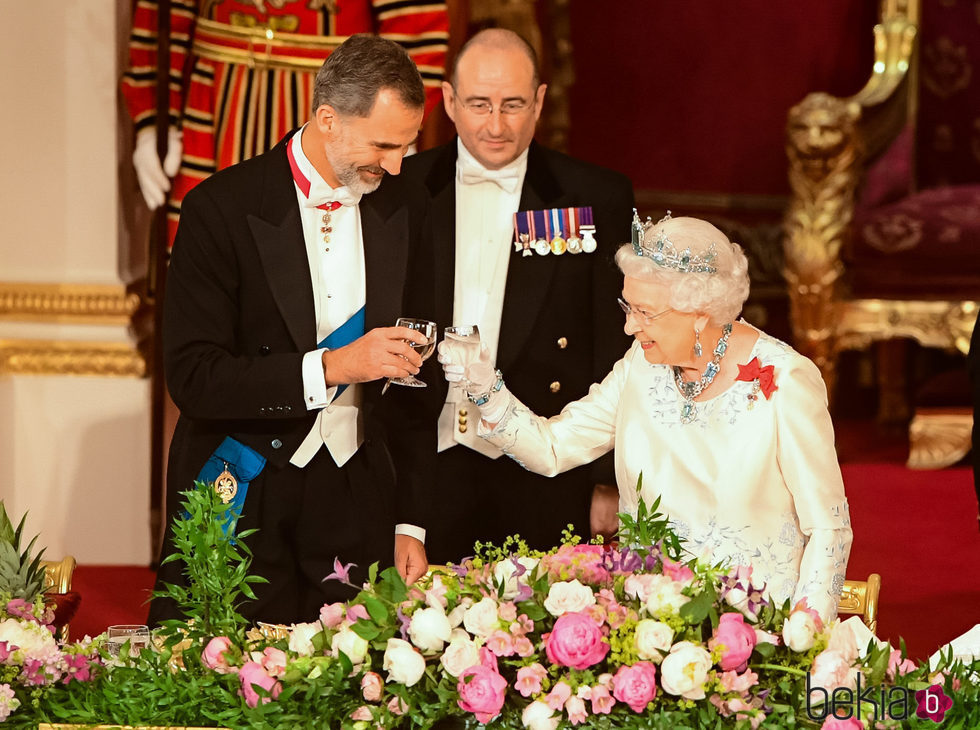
(622, 636)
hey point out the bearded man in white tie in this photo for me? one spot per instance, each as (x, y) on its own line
(287, 271)
(523, 239)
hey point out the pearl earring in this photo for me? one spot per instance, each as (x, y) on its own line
(697, 343)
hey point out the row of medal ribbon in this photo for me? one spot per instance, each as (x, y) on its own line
(555, 231)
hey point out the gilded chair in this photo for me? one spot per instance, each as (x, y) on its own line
(57, 580)
(860, 597)
(884, 217)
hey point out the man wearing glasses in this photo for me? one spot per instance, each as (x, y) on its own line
(540, 285)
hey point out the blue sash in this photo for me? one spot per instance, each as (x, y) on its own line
(344, 335)
(242, 462)
(245, 463)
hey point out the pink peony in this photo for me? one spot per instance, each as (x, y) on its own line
(214, 656)
(736, 639)
(576, 642)
(481, 691)
(529, 679)
(372, 686)
(636, 685)
(273, 661)
(332, 614)
(251, 675)
(602, 701)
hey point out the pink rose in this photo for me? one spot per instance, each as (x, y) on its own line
(397, 706)
(253, 675)
(602, 701)
(576, 642)
(372, 686)
(529, 679)
(357, 611)
(736, 639)
(677, 570)
(835, 723)
(481, 691)
(214, 657)
(274, 661)
(332, 614)
(636, 685)
(362, 714)
(898, 666)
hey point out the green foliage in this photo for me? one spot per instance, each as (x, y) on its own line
(21, 575)
(649, 527)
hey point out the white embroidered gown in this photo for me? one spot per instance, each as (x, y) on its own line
(756, 482)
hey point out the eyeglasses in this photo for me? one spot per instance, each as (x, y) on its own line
(641, 314)
(484, 108)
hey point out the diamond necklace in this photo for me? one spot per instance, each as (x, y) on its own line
(691, 389)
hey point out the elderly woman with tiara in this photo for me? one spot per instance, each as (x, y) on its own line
(728, 426)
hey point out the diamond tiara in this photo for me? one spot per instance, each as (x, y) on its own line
(663, 253)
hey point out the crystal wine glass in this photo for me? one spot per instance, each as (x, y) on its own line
(138, 636)
(431, 331)
(469, 337)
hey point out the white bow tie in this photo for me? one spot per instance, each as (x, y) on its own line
(506, 179)
(321, 193)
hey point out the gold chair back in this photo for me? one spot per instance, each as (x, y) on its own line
(57, 579)
(860, 598)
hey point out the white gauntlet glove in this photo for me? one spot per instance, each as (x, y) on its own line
(154, 178)
(469, 368)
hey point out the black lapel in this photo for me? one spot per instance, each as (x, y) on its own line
(441, 184)
(384, 225)
(528, 277)
(278, 232)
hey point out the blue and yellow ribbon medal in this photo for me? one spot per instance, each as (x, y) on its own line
(558, 246)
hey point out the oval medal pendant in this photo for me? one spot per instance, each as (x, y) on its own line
(574, 244)
(558, 246)
(226, 486)
(588, 241)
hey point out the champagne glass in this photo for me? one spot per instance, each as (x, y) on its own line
(138, 636)
(431, 331)
(468, 336)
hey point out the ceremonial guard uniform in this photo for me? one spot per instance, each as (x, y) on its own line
(242, 71)
(549, 318)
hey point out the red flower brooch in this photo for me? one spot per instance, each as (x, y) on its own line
(763, 377)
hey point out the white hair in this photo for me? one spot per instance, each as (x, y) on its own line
(719, 295)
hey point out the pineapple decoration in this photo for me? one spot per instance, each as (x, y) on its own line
(21, 576)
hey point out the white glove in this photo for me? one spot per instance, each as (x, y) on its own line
(152, 176)
(455, 357)
(484, 387)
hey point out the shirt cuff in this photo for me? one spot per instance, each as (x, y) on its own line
(316, 394)
(403, 528)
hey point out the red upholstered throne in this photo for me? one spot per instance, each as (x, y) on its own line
(883, 229)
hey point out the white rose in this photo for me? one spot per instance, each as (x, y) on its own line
(350, 643)
(461, 654)
(684, 671)
(403, 662)
(800, 631)
(456, 615)
(429, 629)
(301, 637)
(665, 596)
(568, 597)
(538, 716)
(505, 572)
(482, 619)
(653, 639)
(30, 637)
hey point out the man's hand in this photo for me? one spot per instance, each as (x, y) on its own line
(410, 558)
(381, 353)
(604, 512)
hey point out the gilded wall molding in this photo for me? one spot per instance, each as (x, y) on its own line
(76, 303)
(52, 357)
(942, 324)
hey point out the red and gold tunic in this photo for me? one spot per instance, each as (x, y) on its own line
(242, 71)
